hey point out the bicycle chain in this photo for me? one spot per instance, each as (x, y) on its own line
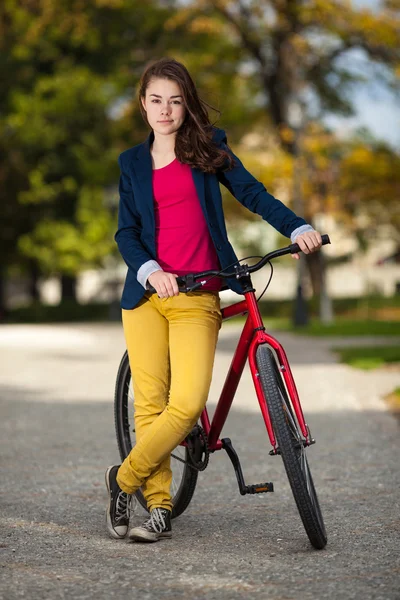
(197, 435)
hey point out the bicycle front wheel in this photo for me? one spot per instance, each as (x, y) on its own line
(290, 441)
(184, 478)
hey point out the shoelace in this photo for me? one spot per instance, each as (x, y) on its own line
(123, 506)
(156, 521)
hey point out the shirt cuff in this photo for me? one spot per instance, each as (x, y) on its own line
(299, 231)
(144, 272)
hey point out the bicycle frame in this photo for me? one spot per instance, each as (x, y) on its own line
(252, 336)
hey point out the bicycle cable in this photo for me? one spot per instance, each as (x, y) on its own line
(229, 266)
(238, 262)
(268, 282)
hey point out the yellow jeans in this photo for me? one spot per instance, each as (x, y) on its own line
(171, 347)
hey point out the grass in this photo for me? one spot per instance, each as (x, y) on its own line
(393, 401)
(349, 327)
(372, 315)
(369, 357)
(340, 327)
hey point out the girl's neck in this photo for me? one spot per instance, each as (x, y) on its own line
(163, 145)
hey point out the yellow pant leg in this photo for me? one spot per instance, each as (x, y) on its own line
(146, 335)
(194, 321)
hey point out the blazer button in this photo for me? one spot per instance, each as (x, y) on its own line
(212, 225)
(219, 247)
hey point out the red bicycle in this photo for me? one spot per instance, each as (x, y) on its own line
(277, 395)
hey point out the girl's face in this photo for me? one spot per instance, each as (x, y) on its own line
(164, 106)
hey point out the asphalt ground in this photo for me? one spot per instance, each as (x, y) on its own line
(57, 438)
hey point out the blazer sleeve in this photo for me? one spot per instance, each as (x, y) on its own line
(129, 226)
(252, 194)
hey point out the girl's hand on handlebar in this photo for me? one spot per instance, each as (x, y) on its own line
(309, 242)
(164, 283)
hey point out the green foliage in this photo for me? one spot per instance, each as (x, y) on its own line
(370, 185)
(65, 312)
(60, 246)
(367, 358)
(303, 58)
(67, 108)
(350, 327)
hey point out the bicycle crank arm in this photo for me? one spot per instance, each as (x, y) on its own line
(257, 488)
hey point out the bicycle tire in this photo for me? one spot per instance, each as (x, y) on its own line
(291, 448)
(123, 403)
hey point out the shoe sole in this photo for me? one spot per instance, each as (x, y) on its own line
(138, 535)
(110, 528)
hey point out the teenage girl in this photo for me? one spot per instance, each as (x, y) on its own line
(171, 223)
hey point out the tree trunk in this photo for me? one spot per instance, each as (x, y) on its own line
(317, 271)
(3, 309)
(325, 301)
(68, 288)
(314, 267)
(300, 312)
(33, 287)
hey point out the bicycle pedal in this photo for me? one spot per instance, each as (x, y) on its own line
(259, 488)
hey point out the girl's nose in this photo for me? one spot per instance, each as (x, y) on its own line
(165, 109)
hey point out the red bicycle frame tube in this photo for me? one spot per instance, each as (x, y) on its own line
(252, 336)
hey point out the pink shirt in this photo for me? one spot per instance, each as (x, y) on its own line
(183, 242)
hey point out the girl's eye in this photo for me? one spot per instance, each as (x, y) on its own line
(173, 102)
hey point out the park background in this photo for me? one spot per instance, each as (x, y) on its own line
(289, 79)
(308, 91)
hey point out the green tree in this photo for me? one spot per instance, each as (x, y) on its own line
(68, 107)
(301, 55)
(64, 67)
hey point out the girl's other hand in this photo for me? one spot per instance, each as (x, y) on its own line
(164, 283)
(309, 242)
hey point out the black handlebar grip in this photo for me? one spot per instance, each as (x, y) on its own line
(294, 248)
(325, 239)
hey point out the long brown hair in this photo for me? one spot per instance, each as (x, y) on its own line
(193, 142)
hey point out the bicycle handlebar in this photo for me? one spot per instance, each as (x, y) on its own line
(187, 283)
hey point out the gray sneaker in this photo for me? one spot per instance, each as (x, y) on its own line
(157, 526)
(119, 504)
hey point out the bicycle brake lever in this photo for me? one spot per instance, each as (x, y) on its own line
(193, 287)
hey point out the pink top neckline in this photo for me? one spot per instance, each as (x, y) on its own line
(168, 165)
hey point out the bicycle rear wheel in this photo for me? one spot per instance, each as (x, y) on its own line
(290, 442)
(184, 478)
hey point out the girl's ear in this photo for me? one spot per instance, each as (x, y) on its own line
(143, 104)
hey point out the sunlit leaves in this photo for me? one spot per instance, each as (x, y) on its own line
(66, 247)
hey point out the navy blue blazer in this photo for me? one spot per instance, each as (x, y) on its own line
(136, 225)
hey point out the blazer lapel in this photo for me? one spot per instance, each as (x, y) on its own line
(144, 171)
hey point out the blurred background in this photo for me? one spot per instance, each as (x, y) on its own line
(308, 94)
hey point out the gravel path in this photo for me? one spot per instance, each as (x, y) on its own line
(57, 437)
